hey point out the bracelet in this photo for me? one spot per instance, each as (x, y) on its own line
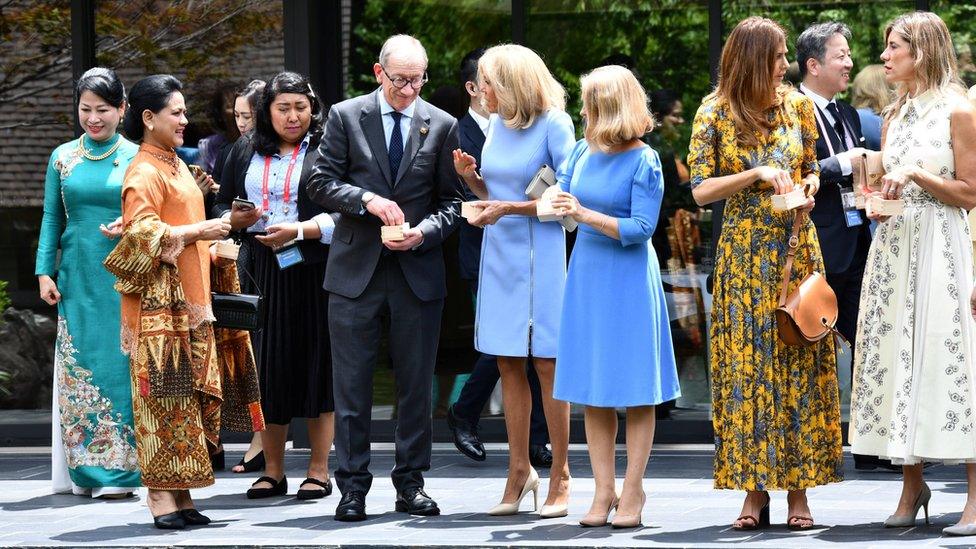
(603, 224)
(301, 232)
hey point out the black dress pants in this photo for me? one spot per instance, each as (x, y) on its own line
(355, 327)
(480, 384)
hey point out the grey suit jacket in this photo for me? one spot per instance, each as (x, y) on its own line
(353, 159)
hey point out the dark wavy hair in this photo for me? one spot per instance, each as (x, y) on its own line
(265, 138)
(251, 92)
(151, 93)
(102, 82)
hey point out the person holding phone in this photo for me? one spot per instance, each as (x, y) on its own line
(264, 195)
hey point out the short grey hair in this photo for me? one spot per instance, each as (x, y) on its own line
(812, 43)
(399, 43)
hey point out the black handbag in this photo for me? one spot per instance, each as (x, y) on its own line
(238, 311)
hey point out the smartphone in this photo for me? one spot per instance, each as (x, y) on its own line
(243, 204)
(197, 171)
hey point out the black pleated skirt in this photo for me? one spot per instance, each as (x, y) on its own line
(292, 348)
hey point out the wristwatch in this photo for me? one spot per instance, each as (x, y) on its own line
(367, 196)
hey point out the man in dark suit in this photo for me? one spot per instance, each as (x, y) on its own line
(386, 159)
(464, 415)
(824, 59)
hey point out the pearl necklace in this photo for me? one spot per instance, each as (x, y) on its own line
(87, 154)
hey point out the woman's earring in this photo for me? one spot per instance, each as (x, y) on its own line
(150, 127)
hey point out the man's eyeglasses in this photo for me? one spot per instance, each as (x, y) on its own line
(399, 82)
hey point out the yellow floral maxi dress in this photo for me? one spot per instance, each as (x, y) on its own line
(776, 409)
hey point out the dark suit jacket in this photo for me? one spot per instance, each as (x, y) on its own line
(838, 242)
(234, 171)
(469, 248)
(353, 160)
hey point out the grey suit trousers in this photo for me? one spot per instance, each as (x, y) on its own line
(355, 327)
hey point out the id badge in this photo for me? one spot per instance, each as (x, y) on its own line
(289, 256)
(847, 201)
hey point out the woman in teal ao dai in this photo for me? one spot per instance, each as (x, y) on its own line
(92, 445)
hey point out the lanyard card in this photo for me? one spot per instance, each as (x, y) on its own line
(852, 216)
(289, 256)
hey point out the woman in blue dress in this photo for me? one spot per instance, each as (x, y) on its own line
(523, 261)
(93, 445)
(614, 341)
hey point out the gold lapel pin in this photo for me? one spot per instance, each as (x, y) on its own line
(423, 130)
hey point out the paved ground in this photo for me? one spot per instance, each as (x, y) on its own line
(682, 510)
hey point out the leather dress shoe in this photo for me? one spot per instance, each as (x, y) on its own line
(352, 507)
(540, 456)
(192, 517)
(170, 521)
(465, 436)
(416, 502)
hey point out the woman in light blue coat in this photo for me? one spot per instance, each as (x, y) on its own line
(523, 261)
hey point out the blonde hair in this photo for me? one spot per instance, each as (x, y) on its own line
(870, 89)
(522, 84)
(616, 107)
(930, 45)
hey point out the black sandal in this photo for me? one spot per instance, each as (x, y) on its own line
(278, 488)
(315, 494)
(253, 465)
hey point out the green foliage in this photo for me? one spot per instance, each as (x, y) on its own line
(667, 40)
(190, 38)
(4, 298)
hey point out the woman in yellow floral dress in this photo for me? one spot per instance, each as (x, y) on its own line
(776, 410)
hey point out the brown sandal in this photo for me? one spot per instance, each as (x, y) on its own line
(755, 524)
(799, 525)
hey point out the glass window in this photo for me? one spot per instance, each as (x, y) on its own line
(649, 38)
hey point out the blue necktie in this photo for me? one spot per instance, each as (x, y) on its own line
(838, 126)
(395, 151)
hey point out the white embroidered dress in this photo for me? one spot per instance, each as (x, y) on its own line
(913, 392)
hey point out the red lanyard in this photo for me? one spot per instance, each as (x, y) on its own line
(265, 203)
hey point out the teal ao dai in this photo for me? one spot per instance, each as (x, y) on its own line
(93, 444)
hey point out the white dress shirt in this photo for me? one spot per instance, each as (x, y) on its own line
(407, 113)
(821, 102)
(481, 120)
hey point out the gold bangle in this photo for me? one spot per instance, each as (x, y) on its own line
(603, 224)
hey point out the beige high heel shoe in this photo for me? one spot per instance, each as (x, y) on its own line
(531, 485)
(557, 511)
(594, 520)
(629, 521)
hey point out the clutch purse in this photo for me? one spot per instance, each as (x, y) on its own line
(236, 311)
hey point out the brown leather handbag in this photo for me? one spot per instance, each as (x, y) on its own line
(809, 313)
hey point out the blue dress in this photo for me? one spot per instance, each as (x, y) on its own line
(523, 261)
(93, 443)
(615, 342)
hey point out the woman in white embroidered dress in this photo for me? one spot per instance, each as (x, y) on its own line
(913, 391)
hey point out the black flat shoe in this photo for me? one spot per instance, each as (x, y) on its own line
(416, 502)
(192, 517)
(278, 488)
(170, 521)
(315, 494)
(352, 507)
(216, 458)
(253, 465)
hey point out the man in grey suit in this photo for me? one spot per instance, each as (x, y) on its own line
(385, 159)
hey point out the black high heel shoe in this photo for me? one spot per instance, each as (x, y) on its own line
(170, 521)
(193, 517)
(253, 465)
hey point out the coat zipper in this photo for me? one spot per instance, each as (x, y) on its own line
(531, 282)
